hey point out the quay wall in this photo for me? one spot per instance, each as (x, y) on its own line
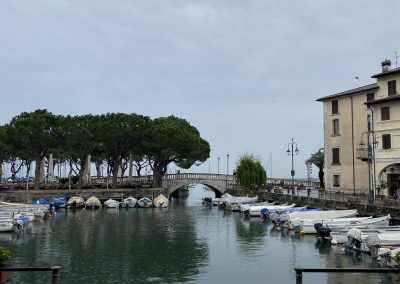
(26, 196)
(363, 208)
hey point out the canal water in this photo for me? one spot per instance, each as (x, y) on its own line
(185, 243)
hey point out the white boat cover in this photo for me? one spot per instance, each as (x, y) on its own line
(93, 201)
(161, 201)
(329, 214)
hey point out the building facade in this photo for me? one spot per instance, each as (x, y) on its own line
(362, 136)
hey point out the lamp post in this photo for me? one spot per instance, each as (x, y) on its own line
(292, 152)
(227, 169)
(218, 163)
(369, 157)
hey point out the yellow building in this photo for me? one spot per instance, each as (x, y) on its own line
(348, 139)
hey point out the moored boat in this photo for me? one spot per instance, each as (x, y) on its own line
(323, 226)
(256, 210)
(161, 201)
(128, 202)
(111, 203)
(58, 201)
(93, 202)
(76, 202)
(145, 202)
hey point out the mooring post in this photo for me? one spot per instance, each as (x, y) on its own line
(299, 276)
(55, 274)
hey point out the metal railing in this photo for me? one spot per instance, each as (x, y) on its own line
(299, 271)
(55, 271)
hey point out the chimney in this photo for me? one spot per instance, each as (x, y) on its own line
(386, 65)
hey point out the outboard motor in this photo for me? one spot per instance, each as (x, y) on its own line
(322, 232)
(354, 238)
(265, 214)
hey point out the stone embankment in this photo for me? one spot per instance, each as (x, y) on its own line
(26, 196)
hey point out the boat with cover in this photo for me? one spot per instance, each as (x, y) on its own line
(246, 207)
(145, 202)
(58, 201)
(234, 203)
(341, 237)
(328, 214)
(93, 202)
(76, 202)
(256, 210)
(372, 243)
(323, 226)
(128, 202)
(111, 203)
(161, 201)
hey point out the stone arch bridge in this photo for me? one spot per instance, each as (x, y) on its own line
(172, 182)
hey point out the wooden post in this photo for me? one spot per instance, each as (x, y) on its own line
(55, 274)
(299, 276)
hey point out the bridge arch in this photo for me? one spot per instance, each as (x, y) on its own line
(218, 183)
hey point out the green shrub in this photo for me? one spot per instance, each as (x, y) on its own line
(5, 254)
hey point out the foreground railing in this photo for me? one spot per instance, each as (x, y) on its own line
(55, 270)
(299, 271)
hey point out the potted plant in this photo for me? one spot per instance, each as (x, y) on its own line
(5, 255)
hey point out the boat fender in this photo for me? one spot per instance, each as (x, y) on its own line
(302, 233)
(334, 242)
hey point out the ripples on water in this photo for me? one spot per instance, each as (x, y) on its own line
(185, 243)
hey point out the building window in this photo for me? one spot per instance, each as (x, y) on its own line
(370, 97)
(335, 127)
(335, 107)
(385, 113)
(336, 180)
(386, 141)
(335, 156)
(391, 88)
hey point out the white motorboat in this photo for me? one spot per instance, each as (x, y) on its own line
(313, 226)
(93, 202)
(111, 203)
(246, 207)
(161, 201)
(234, 203)
(340, 237)
(328, 214)
(145, 202)
(256, 210)
(128, 202)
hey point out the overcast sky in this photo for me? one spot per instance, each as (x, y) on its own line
(246, 74)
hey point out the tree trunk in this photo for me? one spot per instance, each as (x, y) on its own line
(82, 172)
(321, 177)
(115, 175)
(36, 184)
(157, 176)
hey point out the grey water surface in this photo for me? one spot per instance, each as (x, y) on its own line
(185, 243)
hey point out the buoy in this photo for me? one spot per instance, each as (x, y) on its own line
(302, 233)
(334, 242)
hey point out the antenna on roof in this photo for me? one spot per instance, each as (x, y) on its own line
(395, 57)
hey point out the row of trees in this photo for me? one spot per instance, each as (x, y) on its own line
(111, 138)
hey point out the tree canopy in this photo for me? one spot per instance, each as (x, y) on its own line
(318, 159)
(172, 139)
(114, 138)
(250, 172)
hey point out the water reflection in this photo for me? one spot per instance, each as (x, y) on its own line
(139, 245)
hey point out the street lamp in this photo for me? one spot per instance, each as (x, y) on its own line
(227, 164)
(227, 169)
(368, 156)
(291, 151)
(218, 163)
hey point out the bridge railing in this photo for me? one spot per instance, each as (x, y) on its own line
(148, 179)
